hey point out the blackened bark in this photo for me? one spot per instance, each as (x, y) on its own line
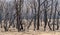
(18, 12)
(57, 18)
(58, 21)
(35, 16)
(54, 17)
(38, 15)
(45, 14)
(5, 21)
(50, 15)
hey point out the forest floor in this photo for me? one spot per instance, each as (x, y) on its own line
(30, 33)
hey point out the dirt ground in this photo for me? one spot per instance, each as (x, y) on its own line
(30, 33)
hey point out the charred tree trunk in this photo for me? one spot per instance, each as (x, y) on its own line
(18, 12)
(31, 16)
(57, 18)
(45, 14)
(57, 22)
(35, 15)
(50, 15)
(38, 15)
(5, 22)
(54, 17)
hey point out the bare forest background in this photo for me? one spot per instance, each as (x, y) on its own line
(23, 15)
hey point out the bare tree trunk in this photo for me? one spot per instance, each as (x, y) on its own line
(57, 22)
(18, 12)
(45, 14)
(38, 15)
(57, 18)
(50, 15)
(54, 17)
(35, 15)
(5, 22)
(31, 17)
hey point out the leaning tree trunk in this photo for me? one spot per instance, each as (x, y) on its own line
(54, 17)
(50, 15)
